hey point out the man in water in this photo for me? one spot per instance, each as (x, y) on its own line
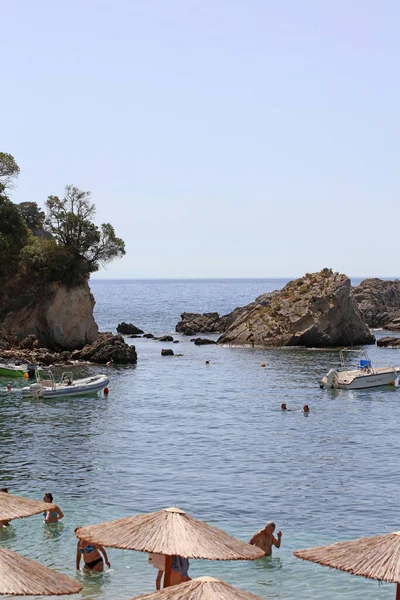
(265, 538)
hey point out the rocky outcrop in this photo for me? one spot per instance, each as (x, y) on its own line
(128, 328)
(167, 352)
(394, 325)
(61, 319)
(193, 323)
(107, 347)
(389, 342)
(203, 342)
(317, 310)
(165, 338)
(378, 301)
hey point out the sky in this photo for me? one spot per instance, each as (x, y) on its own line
(249, 138)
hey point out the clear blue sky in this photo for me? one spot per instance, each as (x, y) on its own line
(221, 138)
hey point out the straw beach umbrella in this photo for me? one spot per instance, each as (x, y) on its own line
(375, 557)
(16, 507)
(202, 588)
(20, 576)
(171, 532)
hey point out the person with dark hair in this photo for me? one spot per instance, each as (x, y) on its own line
(52, 516)
(4, 523)
(265, 538)
(91, 556)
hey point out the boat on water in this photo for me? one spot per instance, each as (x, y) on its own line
(17, 369)
(48, 388)
(361, 377)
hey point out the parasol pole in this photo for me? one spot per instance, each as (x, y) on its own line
(168, 570)
(398, 591)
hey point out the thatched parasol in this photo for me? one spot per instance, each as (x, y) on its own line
(20, 576)
(172, 532)
(203, 588)
(16, 507)
(374, 557)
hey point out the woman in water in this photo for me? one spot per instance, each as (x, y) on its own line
(52, 516)
(91, 556)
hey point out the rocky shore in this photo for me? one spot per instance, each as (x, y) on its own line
(106, 348)
(317, 310)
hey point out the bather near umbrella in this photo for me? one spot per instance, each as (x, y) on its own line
(375, 557)
(20, 576)
(16, 507)
(202, 588)
(171, 532)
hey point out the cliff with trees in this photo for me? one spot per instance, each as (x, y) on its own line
(46, 258)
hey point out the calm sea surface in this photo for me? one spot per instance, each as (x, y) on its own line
(212, 440)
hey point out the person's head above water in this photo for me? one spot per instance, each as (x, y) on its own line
(48, 497)
(270, 525)
(305, 408)
(283, 406)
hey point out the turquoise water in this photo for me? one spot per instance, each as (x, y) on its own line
(212, 440)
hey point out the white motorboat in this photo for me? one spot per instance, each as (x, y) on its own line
(48, 388)
(363, 376)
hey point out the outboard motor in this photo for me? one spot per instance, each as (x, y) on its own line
(31, 371)
(330, 379)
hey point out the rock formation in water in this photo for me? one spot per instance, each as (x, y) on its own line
(388, 342)
(317, 310)
(378, 302)
(107, 347)
(60, 317)
(128, 328)
(193, 323)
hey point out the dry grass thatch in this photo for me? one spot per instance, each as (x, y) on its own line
(374, 557)
(20, 576)
(203, 588)
(16, 507)
(172, 532)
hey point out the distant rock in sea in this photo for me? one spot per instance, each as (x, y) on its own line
(389, 342)
(128, 328)
(379, 302)
(316, 310)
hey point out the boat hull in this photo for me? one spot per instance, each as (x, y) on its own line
(7, 372)
(368, 381)
(83, 387)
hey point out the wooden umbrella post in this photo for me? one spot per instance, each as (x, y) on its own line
(168, 570)
(398, 591)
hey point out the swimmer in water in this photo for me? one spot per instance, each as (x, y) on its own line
(52, 516)
(91, 556)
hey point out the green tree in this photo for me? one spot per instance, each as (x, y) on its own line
(70, 222)
(34, 217)
(8, 169)
(13, 234)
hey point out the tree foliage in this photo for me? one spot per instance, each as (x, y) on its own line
(34, 217)
(8, 169)
(70, 222)
(13, 233)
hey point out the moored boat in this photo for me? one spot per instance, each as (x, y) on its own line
(361, 377)
(48, 388)
(15, 369)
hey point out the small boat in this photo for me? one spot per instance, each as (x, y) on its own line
(17, 369)
(48, 388)
(363, 376)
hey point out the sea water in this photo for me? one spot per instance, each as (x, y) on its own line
(211, 439)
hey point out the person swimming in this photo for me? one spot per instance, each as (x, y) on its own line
(52, 516)
(91, 556)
